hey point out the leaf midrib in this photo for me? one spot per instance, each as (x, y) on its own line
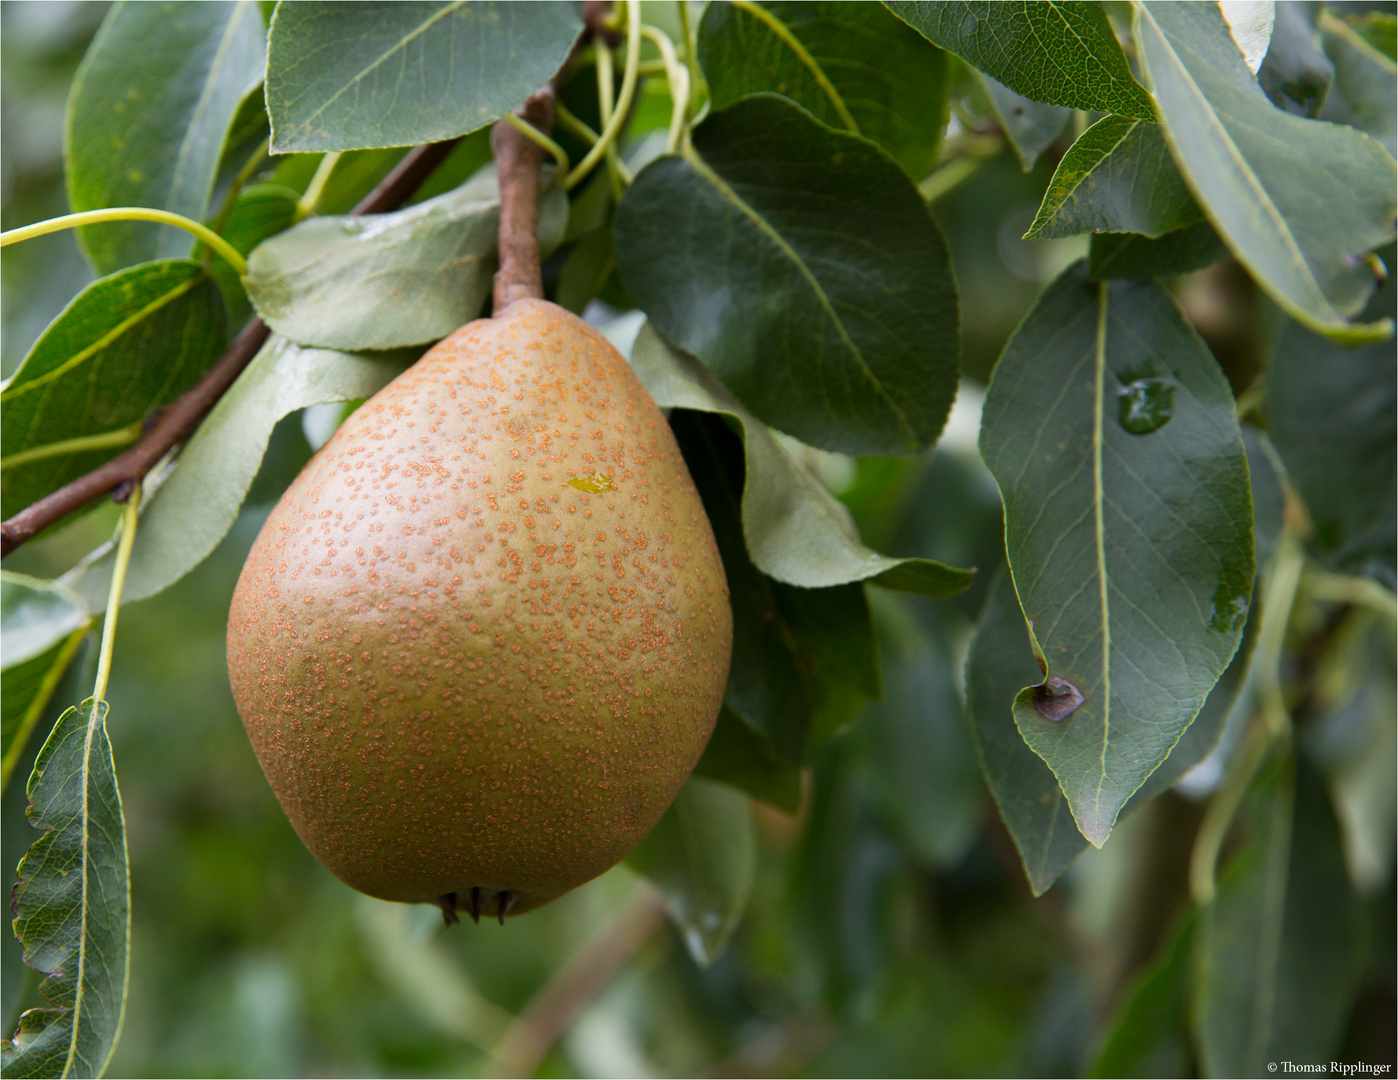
(702, 168)
(1263, 197)
(1098, 503)
(397, 46)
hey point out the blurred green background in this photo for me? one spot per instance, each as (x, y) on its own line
(890, 932)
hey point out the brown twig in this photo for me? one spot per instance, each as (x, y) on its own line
(517, 161)
(178, 421)
(581, 978)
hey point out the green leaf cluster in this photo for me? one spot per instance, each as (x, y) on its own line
(1162, 572)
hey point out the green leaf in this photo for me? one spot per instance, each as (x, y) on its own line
(1024, 788)
(1031, 126)
(1298, 201)
(1296, 75)
(389, 280)
(41, 627)
(1128, 524)
(804, 660)
(795, 530)
(1116, 178)
(1149, 1036)
(125, 345)
(1277, 958)
(1059, 52)
(803, 267)
(351, 76)
(248, 133)
(1139, 258)
(1365, 94)
(187, 511)
(702, 856)
(72, 904)
(260, 211)
(1334, 421)
(742, 756)
(147, 115)
(892, 83)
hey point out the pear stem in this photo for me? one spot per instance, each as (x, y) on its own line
(517, 161)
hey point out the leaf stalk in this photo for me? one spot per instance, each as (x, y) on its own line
(226, 251)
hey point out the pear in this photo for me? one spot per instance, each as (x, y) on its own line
(483, 638)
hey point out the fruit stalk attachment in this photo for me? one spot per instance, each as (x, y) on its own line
(517, 162)
(177, 421)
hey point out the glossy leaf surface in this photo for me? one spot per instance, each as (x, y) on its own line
(350, 76)
(1128, 524)
(1059, 52)
(72, 907)
(795, 530)
(145, 126)
(702, 855)
(1266, 178)
(802, 266)
(889, 79)
(125, 345)
(389, 280)
(187, 512)
(1116, 178)
(1277, 951)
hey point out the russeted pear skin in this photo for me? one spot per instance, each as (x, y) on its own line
(483, 638)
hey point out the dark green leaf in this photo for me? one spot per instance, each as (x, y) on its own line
(1298, 201)
(1116, 178)
(1278, 949)
(1296, 75)
(890, 80)
(1334, 420)
(801, 265)
(41, 626)
(147, 115)
(585, 271)
(350, 76)
(742, 756)
(1365, 94)
(71, 904)
(1025, 789)
(186, 512)
(1059, 52)
(1031, 126)
(389, 280)
(1128, 524)
(126, 344)
(1149, 1036)
(795, 530)
(804, 661)
(261, 211)
(702, 855)
(1139, 258)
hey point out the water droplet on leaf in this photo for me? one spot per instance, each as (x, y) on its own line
(1146, 403)
(1056, 699)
